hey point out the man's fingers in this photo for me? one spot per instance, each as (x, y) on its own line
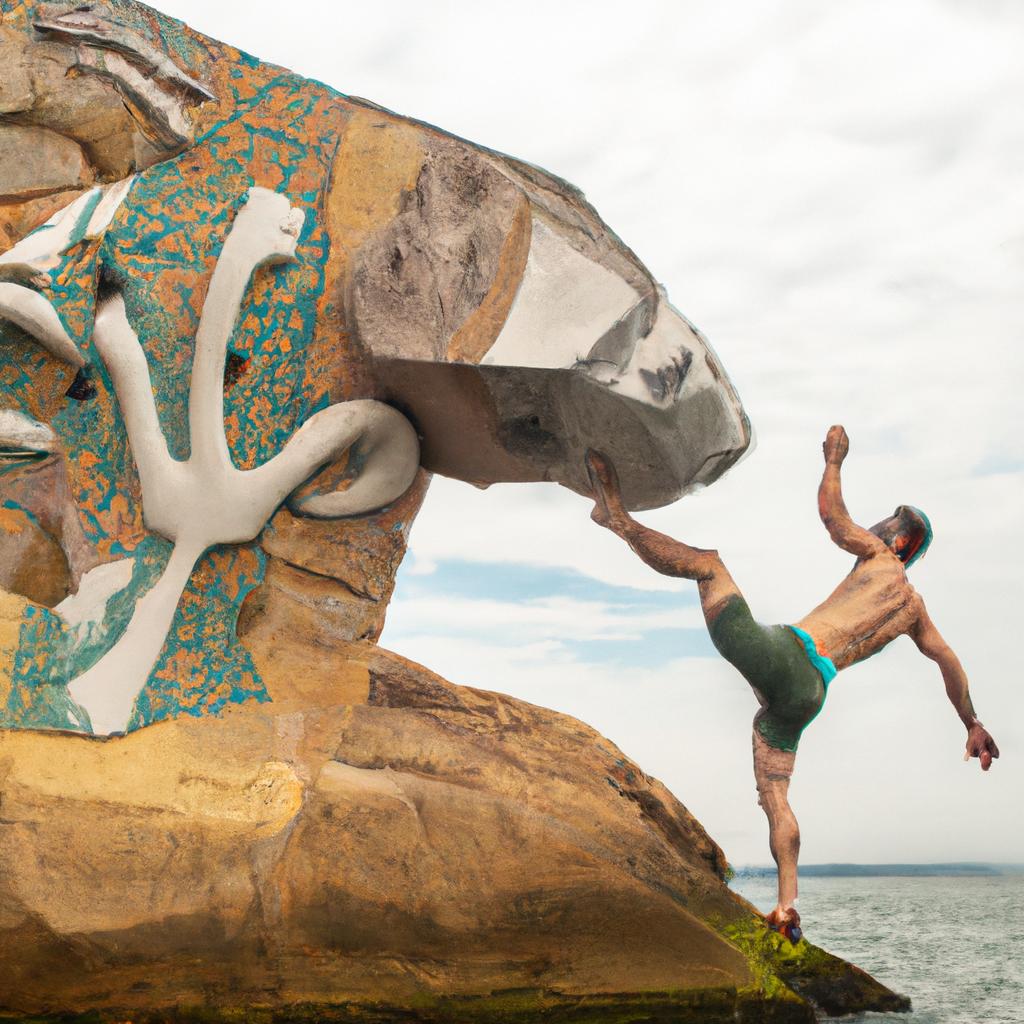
(984, 749)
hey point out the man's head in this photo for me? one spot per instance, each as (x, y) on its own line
(907, 533)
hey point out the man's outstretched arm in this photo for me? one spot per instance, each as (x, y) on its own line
(930, 643)
(831, 507)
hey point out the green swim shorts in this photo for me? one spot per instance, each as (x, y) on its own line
(773, 659)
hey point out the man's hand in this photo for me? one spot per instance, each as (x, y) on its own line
(836, 446)
(981, 745)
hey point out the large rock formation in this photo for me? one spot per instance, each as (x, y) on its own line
(328, 253)
(406, 850)
(299, 825)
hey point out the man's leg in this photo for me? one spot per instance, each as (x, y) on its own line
(745, 644)
(662, 553)
(773, 770)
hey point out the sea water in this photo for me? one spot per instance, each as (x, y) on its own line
(954, 945)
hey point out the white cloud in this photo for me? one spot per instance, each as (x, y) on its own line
(545, 618)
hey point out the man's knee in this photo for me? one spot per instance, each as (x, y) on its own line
(773, 768)
(712, 570)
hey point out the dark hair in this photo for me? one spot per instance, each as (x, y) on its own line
(906, 521)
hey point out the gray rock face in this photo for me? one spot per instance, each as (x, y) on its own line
(423, 274)
(518, 331)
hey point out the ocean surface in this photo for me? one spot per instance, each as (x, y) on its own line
(954, 945)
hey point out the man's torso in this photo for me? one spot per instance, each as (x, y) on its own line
(871, 607)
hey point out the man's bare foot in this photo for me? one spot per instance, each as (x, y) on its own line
(604, 483)
(786, 921)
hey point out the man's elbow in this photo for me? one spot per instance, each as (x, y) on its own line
(943, 656)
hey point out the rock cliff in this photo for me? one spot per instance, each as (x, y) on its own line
(406, 850)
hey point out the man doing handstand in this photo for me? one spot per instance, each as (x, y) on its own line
(790, 667)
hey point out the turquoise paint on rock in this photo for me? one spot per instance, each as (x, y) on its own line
(165, 239)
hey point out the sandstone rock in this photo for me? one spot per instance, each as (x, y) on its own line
(311, 557)
(46, 84)
(25, 215)
(16, 92)
(31, 561)
(416, 847)
(36, 161)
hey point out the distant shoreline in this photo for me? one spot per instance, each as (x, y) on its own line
(952, 870)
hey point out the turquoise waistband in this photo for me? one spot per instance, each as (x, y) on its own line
(819, 661)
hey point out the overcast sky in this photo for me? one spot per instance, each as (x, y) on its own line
(832, 193)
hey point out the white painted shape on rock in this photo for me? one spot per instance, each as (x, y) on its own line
(265, 232)
(41, 251)
(20, 431)
(114, 196)
(205, 500)
(564, 304)
(163, 107)
(95, 26)
(35, 315)
(87, 607)
(37, 254)
(108, 690)
(387, 442)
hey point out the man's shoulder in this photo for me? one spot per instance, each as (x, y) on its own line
(884, 570)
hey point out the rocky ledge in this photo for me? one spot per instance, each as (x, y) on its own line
(410, 850)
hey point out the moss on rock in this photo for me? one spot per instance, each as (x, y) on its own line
(807, 972)
(707, 1006)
